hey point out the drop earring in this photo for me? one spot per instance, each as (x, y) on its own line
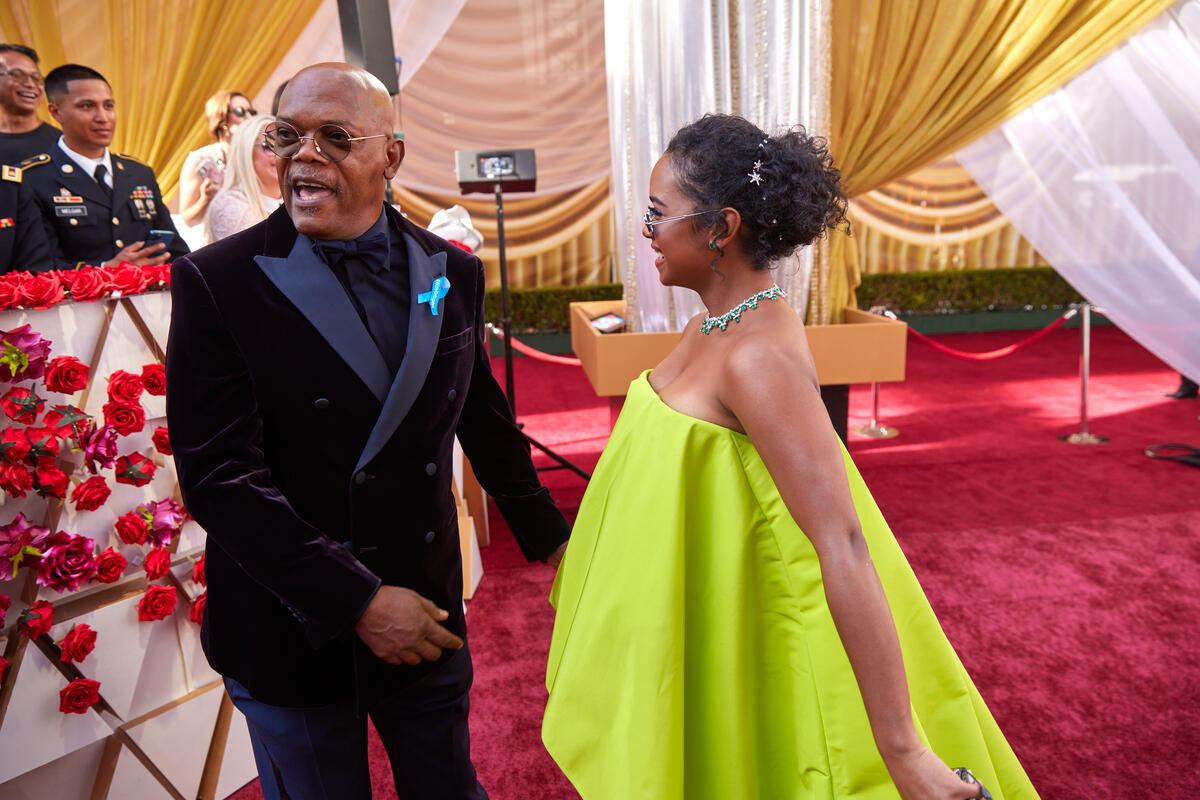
(712, 245)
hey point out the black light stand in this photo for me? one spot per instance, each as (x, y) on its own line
(476, 170)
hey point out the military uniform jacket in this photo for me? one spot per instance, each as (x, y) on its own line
(23, 244)
(82, 224)
(316, 474)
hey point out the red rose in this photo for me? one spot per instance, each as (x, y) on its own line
(130, 279)
(124, 387)
(69, 561)
(154, 378)
(4, 604)
(14, 444)
(78, 643)
(67, 421)
(3, 666)
(162, 441)
(87, 283)
(162, 273)
(134, 469)
(22, 405)
(43, 445)
(132, 528)
(157, 563)
(197, 612)
(15, 480)
(158, 602)
(39, 290)
(36, 619)
(50, 481)
(66, 374)
(124, 418)
(110, 566)
(8, 290)
(198, 572)
(78, 696)
(91, 494)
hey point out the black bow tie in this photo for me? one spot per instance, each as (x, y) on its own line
(370, 248)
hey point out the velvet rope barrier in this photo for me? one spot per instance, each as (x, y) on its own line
(525, 349)
(991, 354)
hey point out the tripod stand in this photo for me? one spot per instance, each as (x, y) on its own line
(506, 326)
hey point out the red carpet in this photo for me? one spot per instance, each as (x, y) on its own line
(1067, 577)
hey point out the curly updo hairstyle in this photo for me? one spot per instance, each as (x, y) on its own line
(799, 195)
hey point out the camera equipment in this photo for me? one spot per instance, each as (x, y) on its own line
(498, 171)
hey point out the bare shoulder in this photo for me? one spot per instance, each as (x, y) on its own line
(772, 352)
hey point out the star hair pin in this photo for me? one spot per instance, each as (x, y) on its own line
(754, 176)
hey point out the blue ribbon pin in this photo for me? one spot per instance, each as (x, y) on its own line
(440, 288)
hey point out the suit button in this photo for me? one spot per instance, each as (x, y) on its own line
(321, 403)
(119, 243)
(361, 478)
(431, 469)
(429, 537)
(452, 395)
(116, 221)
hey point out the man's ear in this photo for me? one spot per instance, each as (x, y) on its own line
(54, 112)
(395, 155)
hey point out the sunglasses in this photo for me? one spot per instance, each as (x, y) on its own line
(242, 113)
(20, 76)
(330, 141)
(649, 221)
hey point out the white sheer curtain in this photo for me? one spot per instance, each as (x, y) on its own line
(668, 63)
(1103, 177)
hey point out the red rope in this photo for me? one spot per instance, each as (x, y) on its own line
(989, 355)
(521, 347)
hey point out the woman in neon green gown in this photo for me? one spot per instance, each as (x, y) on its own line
(734, 618)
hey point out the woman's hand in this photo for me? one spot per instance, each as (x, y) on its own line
(921, 775)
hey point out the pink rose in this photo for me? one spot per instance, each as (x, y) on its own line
(68, 562)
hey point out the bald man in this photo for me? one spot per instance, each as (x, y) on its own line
(319, 367)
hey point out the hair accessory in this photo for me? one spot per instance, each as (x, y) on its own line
(735, 314)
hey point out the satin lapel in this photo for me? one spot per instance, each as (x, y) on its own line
(424, 330)
(314, 290)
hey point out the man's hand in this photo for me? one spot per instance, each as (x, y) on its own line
(402, 627)
(556, 557)
(142, 256)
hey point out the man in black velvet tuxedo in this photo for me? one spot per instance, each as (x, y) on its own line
(319, 366)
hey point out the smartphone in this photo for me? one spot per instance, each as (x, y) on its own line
(159, 237)
(608, 323)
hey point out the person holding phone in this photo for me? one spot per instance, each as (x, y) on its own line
(203, 171)
(97, 207)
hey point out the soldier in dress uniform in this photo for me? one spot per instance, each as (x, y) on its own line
(97, 207)
(23, 243)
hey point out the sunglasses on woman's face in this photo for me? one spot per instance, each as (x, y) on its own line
(242, 113)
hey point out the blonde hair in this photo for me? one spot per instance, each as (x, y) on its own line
(216, 112)
(239, 171)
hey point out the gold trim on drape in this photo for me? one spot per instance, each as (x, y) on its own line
(913, 82)
(163, 59)
(552, 240)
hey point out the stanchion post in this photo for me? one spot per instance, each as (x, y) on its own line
(875, 430)
(1083, 436)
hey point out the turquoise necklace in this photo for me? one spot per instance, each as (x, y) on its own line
(735, 313)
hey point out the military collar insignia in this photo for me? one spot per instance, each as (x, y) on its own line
(12, 173)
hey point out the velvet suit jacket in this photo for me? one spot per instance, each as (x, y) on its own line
(315, 475)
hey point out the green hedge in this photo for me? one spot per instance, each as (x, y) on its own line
(967, 291)
(545, 310)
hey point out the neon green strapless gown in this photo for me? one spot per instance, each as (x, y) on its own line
(694, 655)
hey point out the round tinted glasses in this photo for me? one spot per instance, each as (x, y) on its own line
(330, 141)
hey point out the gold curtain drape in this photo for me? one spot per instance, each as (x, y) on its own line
(560, 239)
(936, 218)
(163, 60)
(912, 82)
